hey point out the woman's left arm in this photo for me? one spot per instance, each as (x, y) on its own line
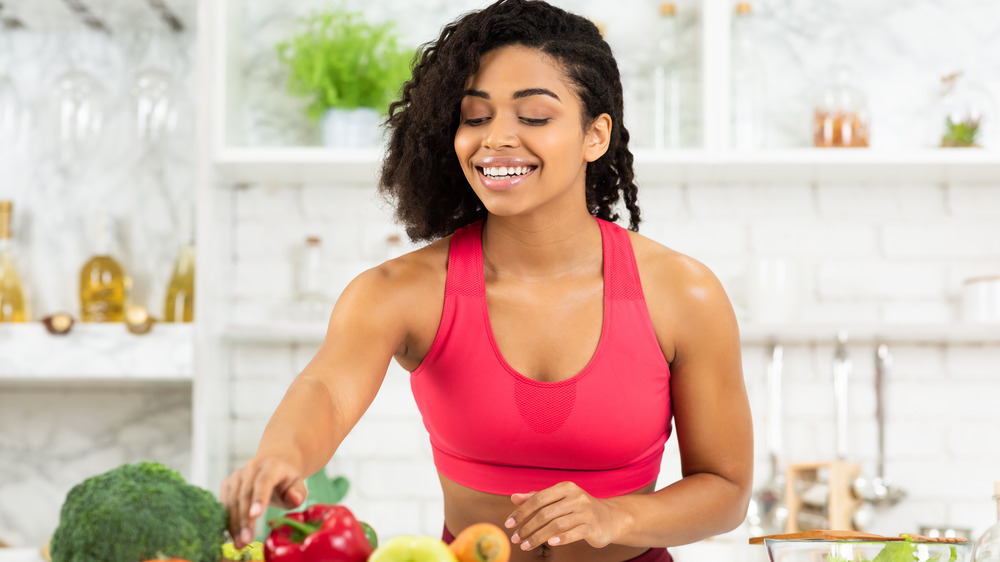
(713, 428)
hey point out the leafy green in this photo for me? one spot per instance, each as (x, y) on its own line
(321, 489)
(135, 512)
(962, 133)
(900, 551)
(342, 61)
(896, 551)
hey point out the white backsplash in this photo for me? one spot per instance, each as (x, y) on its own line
(53, 437)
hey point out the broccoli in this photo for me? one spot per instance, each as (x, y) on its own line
(137, 512)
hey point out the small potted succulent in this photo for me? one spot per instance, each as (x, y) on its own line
(966, 105)
(350, 69)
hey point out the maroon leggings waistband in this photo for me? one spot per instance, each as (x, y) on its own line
(651, 555)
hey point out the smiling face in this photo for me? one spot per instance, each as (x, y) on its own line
(521, 140)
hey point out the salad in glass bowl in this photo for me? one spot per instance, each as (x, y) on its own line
(849, 546)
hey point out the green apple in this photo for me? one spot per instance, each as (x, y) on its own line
(408, 548)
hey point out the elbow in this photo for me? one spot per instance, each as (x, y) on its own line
(737, 506)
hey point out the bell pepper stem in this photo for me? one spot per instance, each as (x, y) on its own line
(304, 528)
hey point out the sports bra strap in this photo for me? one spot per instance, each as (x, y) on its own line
(621, 274)
(465, 262)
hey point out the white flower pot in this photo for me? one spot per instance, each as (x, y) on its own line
(350, 128)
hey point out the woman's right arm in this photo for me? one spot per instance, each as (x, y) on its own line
(324, 401)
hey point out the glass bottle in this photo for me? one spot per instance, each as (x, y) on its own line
(747, 87)
(102, 280)
(988, 545)
(666, 81)
(311, 303)
(179, 305)
(12, 305)
(841, 115)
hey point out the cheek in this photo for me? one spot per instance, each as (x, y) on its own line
(465, 145)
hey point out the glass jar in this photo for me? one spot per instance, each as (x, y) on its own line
(747, 82)
(965, 109)
(988, 545)
(841, 114)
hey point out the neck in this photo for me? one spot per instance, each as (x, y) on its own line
(534, 249)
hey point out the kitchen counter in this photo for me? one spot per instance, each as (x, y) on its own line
(705, 550)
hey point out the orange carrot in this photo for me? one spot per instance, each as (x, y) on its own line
(481, 542)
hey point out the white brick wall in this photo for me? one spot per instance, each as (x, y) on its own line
(900, 259)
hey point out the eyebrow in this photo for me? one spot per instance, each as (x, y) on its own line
(517, 95)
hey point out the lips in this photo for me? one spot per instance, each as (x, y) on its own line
(501, 174)
(502, 183)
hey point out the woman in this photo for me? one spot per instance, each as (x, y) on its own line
(549, 348)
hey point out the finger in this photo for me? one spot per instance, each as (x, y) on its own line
(562, 526)
(520, 498)
(536, 501)
(226, 492)
(539, 520)
(295, 494)
(244, 498)
(573, 534)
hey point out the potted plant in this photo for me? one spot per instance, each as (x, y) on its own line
(350, 68)
(966, 105)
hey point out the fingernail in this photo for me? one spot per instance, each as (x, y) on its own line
(515, 539)
(554, 541)
(255, 509)
(509, 523)
(525, 545)
(246, 535)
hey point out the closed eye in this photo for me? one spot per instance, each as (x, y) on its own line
(476, 121)
(530, 121)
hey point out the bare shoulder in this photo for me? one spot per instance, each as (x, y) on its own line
(685, 298)
(665, 270)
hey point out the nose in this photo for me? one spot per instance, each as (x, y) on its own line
(500, 133)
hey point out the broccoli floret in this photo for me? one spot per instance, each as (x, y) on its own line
(136, 512)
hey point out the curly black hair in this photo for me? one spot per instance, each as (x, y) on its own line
(421, 172)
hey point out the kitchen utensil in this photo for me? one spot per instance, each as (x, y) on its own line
(767, 512)
(862, 515)
(878, 490)
(841, 377)
(822, 546)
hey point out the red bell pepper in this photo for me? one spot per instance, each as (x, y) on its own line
(320, 533)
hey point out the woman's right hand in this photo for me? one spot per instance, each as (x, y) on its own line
(262, 481)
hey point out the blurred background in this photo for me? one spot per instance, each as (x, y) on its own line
(836, 164)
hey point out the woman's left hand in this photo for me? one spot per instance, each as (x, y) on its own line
(560, 515)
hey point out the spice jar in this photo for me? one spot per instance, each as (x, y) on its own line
(841, 114)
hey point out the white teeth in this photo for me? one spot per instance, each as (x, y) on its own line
(505, 171)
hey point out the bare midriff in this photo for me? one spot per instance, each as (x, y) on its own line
(464, 506)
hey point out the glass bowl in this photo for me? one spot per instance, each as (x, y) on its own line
(831, 550)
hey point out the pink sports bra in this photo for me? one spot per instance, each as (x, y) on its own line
(495, 430)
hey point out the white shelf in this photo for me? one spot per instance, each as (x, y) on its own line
(794, 333)
(95, 353)
(297, 165)
(324, 165)
(276, 333)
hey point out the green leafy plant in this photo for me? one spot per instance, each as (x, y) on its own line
(321, 490)
(962, 133)
(342, 61)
